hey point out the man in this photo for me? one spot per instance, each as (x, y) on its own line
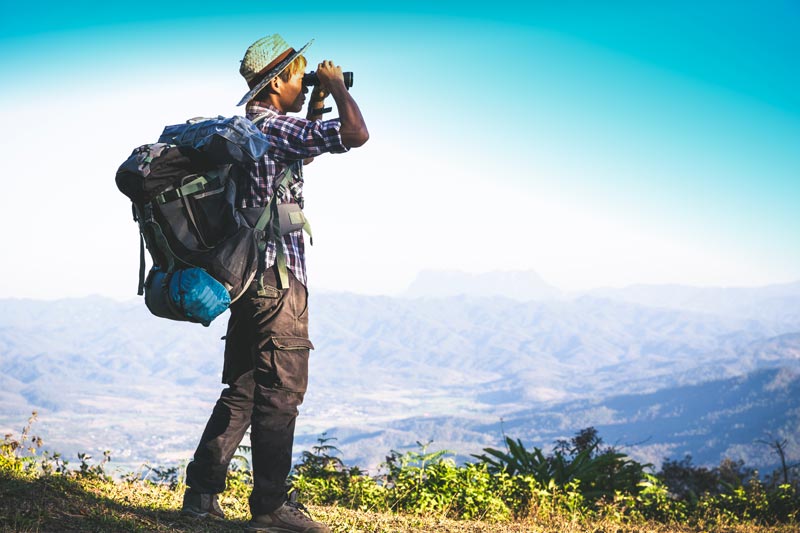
(267, 345)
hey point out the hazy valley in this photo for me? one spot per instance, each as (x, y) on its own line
(660, 371)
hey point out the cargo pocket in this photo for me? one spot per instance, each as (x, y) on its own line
(290, 361)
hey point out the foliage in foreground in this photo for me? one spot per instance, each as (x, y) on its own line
(580, 480)
(512, 491)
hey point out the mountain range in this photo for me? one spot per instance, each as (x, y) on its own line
(660, 371)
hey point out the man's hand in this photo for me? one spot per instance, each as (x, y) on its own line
(354, 130)
(316, 103)
(328, 74)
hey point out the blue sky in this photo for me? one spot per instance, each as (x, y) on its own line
(597, 143)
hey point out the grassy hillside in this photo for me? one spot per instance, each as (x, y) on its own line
(57, 503)
(577, 488)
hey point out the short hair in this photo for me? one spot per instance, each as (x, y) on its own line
(298, 65)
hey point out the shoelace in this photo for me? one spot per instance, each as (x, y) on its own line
(299, 509)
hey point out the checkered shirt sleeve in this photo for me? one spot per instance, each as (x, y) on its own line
(291, 139)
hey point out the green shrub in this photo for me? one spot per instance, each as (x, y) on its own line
(599, 474)
(579, 482)
(654, 502)
(429, 483)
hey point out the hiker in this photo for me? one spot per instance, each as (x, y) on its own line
(267, 345)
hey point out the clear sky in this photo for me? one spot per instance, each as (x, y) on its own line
(597, 143)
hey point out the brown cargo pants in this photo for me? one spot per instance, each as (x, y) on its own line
(266, 371)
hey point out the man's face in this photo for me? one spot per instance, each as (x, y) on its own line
(293, 93)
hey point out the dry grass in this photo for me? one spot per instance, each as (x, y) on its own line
(349, 521)
(57, 503)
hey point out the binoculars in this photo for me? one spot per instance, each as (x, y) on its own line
(310, 79)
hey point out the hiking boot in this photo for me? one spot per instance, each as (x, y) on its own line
(199, 505)
(290, 517)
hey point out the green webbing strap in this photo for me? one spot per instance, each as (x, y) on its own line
(263, 220)
(196, 185)
(269, 210)
(307, 229)
(280, 260)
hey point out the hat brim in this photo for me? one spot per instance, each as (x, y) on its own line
(270, 75)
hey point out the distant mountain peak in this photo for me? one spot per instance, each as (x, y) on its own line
(522, 285)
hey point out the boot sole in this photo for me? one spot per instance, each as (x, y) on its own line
(269, 529)
(195, 514)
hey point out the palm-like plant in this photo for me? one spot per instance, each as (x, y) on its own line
(599, 473)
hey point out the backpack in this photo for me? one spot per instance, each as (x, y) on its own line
(205, 250)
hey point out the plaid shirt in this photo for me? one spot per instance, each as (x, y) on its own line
(291, 139)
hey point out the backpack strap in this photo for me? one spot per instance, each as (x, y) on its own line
(143, 215)
(140, 290)
(270, 214)
(200, 183)
(141, 265)
(261, 117)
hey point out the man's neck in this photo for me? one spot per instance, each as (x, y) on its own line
(272, 100)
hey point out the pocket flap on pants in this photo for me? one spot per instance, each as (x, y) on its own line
(291, 343)
(289, 360)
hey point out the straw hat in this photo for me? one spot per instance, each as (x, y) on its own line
(265, 59)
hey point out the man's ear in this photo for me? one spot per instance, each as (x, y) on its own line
(276, 84)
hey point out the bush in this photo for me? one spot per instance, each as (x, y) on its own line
(579, 482)
(598, 474)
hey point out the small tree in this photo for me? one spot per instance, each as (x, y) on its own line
(786, 474)
(686, 481)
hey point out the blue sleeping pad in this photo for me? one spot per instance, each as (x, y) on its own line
(227, 140)
(188, 294)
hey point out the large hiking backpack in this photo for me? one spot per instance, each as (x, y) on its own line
(205, 251)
